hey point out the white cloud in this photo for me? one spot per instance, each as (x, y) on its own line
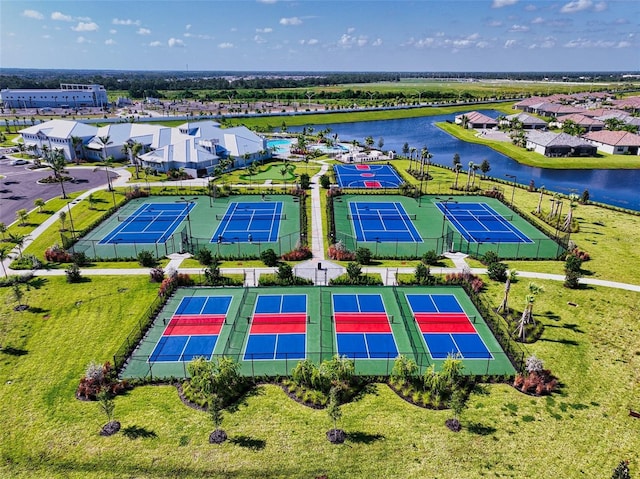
(503, 3)
(537, 21)
(110, 41)
(584, 43)
(623, 44)
(143, 31)
(61, 17)
(259, 39)
(530, 8)
(377, 42)
(187, 26)
(495, 23)
(312, 41)
(83, 19)
(600, 7)
(46, 37)
(127, 22)
(576, 6)
(225, 45)
(36, 15)
(482, 44)
(518, 28)
(348, 41)
(113, 31)
(81, 40)
(175, 42)
(155, 44)
(290, 21)
(350, 30)
(264, 30)
(510, 43)
(85, 27)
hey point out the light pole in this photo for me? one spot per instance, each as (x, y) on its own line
(515, 180)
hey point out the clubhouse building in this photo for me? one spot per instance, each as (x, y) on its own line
(70, 95)
(196, 147)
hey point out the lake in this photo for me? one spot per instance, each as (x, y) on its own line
(614, 187)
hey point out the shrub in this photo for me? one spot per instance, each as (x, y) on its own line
(325, 181)
(572, 279)
(404, 368)
(583, 255)
(183, 279)
(363, 256)
(339, 252)
(57, 254)
(99, 378)
(533, 364)
(156, 275)
(497, 271)
(423, 275)
(573, 263)
(80, 258)
(146, 259)
(305, 181)
(430, 258)
(73, 274)
(536, 382)
(285, 273)
(205, 257)
(136, 192)
(458, 278)
(269, 257)
(490, 257)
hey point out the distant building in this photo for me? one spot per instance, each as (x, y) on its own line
(475, 120)
(57, 134)
(70, 95)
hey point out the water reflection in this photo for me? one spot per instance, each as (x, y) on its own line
(615, 187)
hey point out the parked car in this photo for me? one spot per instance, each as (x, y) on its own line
(18, 162)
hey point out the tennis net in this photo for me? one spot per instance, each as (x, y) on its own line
(382, 216)
(467, 217)
(254, 217)
(151, 218)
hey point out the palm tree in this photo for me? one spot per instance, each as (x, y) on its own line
(473, 177)
(457, 169)
(39, 203)
(76, 141)
(412, 152)
(456, 160)
(18, 239)
(3, 230)
(58, 163)
(135, 149)
(405, 149)
(104, 142)
(108, 161)
(425, 156)
(63, 220)
(469, 175)
(527, 314)
(22, 215)
(569, 218)
(252, 170)
(369, 142)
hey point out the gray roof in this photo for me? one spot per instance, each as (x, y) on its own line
(548, 138)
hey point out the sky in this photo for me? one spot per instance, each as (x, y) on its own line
(311, 35)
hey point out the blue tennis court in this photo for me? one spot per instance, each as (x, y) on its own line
(246, 222)
(446, 328)
(278, 328)
(480, 223)
(150, 223)
(367, 176)
(382, 222)
(362, 327)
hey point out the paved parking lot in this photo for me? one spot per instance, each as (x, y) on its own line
(19, 187)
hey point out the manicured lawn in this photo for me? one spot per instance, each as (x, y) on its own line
(583, 431)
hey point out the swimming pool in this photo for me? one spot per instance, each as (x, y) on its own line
(279, 146)
(338, 148)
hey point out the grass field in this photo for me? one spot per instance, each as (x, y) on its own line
(583, 431)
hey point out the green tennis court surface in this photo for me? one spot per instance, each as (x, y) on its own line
(196, 222)
(268, 330)
(438, 225)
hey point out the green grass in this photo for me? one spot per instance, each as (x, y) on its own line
(530, 158)
(582, 432)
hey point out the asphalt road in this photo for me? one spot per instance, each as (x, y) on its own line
(19, 187)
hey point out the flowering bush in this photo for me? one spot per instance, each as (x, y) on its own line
(56, 254)
(98, 378)
(339, 252)
(298, 254)
(536, 382)
(583, 255)
(458, 278)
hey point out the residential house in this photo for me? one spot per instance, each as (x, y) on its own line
(585, 122)
(558, 144)
(527, 121)
(615, 142)
(476, 120)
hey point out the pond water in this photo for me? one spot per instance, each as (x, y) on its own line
(614, 187)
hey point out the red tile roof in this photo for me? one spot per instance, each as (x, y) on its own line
(615, 138)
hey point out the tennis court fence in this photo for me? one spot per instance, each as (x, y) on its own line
(381, 216)
(256, 367)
